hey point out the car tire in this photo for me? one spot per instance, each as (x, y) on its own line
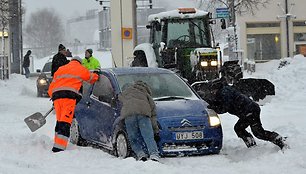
(75, 136)
(122, 146)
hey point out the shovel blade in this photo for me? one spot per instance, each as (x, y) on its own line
(35, 121)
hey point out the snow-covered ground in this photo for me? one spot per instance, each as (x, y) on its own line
(24, 152)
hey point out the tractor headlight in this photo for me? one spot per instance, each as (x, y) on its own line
(214, 63)
(204, 63)
(42, 82)
(213, 117)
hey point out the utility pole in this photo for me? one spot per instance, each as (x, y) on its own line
(232, 36)
(287, 16)
(15, 35)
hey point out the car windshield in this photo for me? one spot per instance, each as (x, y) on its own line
(163, 86)
(47, 67)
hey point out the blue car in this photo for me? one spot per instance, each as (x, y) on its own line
(186, 126)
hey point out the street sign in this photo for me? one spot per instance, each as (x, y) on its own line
(126, 33)
(222, 13)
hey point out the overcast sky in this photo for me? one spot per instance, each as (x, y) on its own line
(72, 8)
(65, 8)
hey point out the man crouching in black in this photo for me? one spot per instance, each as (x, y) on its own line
(223, 98)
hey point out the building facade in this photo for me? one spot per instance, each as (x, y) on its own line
(274, 32)
(4, 56)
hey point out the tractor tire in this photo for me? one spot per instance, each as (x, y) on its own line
(140, 59)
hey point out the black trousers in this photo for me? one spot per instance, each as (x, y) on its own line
(252, 119)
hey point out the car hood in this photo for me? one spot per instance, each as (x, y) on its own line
(180, 108)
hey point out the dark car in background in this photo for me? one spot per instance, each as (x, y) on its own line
(186, 126)
(44, 79)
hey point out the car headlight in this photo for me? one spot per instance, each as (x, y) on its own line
(213, 117)
(214, 63)
(204, 63)
(42, 82)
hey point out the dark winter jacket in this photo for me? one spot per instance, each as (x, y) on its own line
(228, 99)
(136, 99)
(26, 61)
(58, 60)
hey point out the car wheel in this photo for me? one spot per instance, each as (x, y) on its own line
(75, 136)
(122, 146)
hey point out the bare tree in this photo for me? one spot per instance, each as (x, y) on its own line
(240, 6)
(44, 31)
(4, 20)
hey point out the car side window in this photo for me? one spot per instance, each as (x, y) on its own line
(103, 89)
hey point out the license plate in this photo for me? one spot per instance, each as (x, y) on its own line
(195, 135)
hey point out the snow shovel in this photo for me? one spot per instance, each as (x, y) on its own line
(36, 120)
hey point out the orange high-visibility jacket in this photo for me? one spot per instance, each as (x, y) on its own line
(70, 77)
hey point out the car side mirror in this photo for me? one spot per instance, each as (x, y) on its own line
(38, 70)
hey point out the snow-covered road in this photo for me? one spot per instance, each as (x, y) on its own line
(24, 152)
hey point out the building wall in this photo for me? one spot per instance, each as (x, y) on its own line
(4, 60)
(267, 29)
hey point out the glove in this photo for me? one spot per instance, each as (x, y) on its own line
(156, 137)
(97, 72)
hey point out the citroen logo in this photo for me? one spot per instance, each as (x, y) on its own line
(185, 122)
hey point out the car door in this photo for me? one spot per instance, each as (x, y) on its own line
(102, 104)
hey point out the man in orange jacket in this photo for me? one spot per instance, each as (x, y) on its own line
(64, 92)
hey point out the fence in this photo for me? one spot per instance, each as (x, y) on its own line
(4, 67)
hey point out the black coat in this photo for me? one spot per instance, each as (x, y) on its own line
(26, 60)
(58, 60)
(228, 99)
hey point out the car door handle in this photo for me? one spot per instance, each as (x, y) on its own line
(88, 104)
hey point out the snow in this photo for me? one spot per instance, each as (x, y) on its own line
(176, 14)
(24, 152)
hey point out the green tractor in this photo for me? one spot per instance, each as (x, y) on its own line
(182, 40)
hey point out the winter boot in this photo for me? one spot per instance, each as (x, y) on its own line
(142, 157)
(249, 141)
(154, 158)
(55, 150)
(280, 142)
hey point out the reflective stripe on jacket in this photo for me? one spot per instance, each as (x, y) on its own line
(70, 77)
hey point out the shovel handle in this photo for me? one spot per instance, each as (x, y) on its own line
(50, 110)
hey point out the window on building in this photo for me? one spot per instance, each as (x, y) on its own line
(262, 25)
(299, 23)
(264, 47)
(299, 37)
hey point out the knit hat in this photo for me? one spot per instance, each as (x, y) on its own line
(89, 51)
(77, 58)
(61, 47)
